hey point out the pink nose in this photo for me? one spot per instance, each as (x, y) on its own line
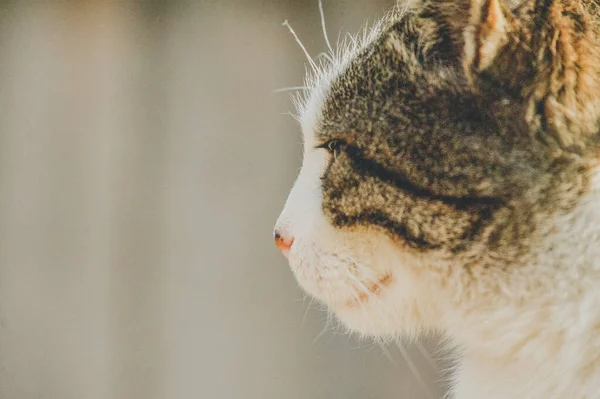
(283, 243)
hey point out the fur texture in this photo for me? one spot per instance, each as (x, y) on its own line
(450, 183)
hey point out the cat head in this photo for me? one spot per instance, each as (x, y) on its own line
(436, 150)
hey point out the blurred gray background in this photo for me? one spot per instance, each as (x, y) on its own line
(143, 162)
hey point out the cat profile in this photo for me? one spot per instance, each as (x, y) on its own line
(450, 182)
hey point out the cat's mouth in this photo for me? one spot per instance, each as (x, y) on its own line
(374, 289)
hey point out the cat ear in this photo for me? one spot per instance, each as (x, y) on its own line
(497, 48)
(545, 56)
(485, 36)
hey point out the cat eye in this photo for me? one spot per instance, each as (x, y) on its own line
(334, 147)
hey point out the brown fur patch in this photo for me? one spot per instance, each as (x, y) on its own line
(465, 160)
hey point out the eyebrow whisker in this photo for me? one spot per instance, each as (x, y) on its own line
(308, 57)
(293, 88)
(322, 13)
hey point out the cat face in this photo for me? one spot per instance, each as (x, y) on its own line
(426, 177)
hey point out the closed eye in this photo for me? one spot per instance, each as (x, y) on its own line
(370, 167)
(334, 147)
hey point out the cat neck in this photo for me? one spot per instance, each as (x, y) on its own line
(539, 328)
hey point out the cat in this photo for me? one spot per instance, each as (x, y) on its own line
(450, 183)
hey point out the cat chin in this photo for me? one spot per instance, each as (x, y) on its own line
(389, 312)
(370, 327)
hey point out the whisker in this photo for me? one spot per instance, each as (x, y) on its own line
(286, 89)
(296, 117)
(413, 368)
(352, 39)
(425, 353)
(327, 56)
(308, 57)
(338, 44)
(307, 309)
(329, 323)
(369, 276)
(323, 26)
(326, 329)
(387, 354)
(360, 285)
(359, 302)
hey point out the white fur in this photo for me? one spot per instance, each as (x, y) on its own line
(542, 338)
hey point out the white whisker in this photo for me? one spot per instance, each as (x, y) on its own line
(413, 368)
(338, 43)
(323, 26)
(326, 56)
(286, 89)
(360, 303)
(308, 57)
(352, 39)
(328, 327)
(359, 283)
(387, 354)
(368, 276)
(329, 323)
(296, 117)
(307, 309)
(427, 356)
(364, 345)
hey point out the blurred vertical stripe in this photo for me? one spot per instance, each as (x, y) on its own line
(143, 161)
